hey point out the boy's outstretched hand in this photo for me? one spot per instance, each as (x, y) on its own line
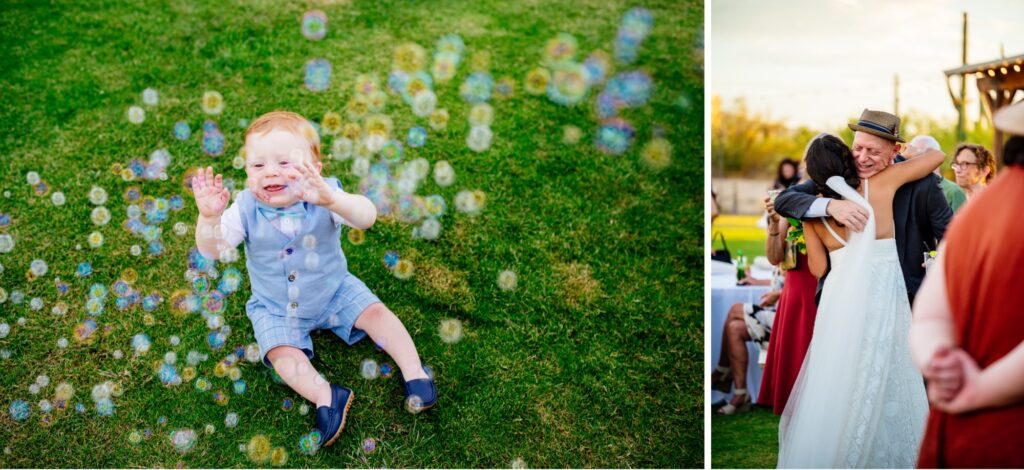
(211, 196)
(313, 188)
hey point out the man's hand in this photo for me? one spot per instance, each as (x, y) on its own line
(312, 187)
(848, 213)
(770, 298)
(211, 196)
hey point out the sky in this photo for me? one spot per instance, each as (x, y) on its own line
(819, 63)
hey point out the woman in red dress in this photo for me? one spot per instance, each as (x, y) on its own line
(966, 335)
(791, 333)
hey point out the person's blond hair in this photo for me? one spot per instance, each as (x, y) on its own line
(288, 121)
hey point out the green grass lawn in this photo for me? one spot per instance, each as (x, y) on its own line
(595, 360)
(746, 440)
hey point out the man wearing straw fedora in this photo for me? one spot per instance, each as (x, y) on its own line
(920, 211)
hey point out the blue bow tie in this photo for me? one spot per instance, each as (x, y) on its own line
(297, 211)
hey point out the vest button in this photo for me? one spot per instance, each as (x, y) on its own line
(289, 251)
(291, 277)
(294, 305)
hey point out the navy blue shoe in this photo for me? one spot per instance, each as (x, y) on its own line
(420, 394)
(331, 420)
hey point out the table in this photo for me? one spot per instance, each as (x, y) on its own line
(721, 299)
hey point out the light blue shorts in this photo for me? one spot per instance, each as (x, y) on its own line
(271, 331)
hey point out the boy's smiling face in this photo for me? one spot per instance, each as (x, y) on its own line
(271, 165)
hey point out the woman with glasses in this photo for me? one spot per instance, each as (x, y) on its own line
(974, 167)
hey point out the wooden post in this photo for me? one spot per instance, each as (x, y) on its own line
(961, 105)
(896, 95)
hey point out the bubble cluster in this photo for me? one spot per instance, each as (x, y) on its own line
(309, 443)
(635, 27)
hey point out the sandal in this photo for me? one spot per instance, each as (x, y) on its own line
(743, 407)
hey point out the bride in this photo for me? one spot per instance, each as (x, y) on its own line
(858, 400)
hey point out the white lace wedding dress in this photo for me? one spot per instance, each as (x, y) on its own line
(858, 400)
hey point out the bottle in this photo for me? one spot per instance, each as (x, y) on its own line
(741, 266)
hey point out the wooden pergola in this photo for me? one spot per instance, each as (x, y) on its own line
(998, 83)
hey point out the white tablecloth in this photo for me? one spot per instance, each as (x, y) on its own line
(721, 299)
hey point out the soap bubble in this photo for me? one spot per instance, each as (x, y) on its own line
(6, 243)
(450, 330)
(279, 457)
(150, 97)
(141, 343)
(231, 420)
(38, 267)
(414, 404)
(318, 75)
(32, 178)
(212, 103)
(134, 437)
(439, 119)
(403, 269)
(258, 449)
(571, 135)
(481, 114)
(657, 154)
(507, 280)
(356, 236)
(369, 369)
(417, 137)
(209, 429)
(444, 174)
(64, 391)
(430, 229)
(369, 445)
(136, 115)
(43, 380)
(424, 103)
(97, 196)
(183, 440)
(95, 239)
(517, 463)
(57, 198)
(479, 138)
(537, 81)
(105, 407)
(19, 410)
(314, 25)
(614, 136)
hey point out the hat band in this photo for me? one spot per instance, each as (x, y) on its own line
(871, 125)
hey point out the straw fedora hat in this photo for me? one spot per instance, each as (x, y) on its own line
(1010, 119)
(879, 123)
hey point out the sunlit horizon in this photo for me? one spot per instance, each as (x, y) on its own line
(820, 63)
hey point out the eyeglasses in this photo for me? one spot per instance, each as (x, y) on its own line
(962, 165)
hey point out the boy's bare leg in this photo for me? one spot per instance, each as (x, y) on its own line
(388, 331)
(294, 367)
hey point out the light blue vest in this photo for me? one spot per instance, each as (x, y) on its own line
(292, 276)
